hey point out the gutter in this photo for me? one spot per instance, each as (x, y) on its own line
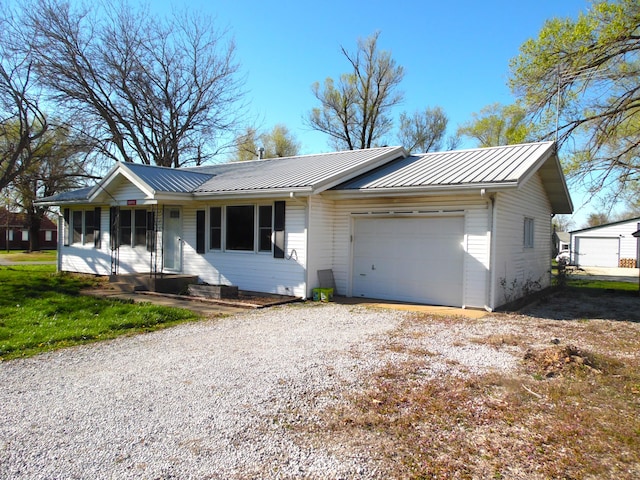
(422, 190)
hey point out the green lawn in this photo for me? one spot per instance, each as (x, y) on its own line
(22, 256)
(41, 310)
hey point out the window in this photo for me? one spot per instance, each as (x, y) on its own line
(89, 227)
(200, 231)
(151, 231)
(125, 227)
(11, 235)
(76, 226)
(265, 223)
(140, 220)
(528, 232)
(25, 235)
(48, 236)
(215, 227)
(240, 228)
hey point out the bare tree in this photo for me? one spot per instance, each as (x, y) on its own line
(21, 121)
(355, 111)
(60, 163)
(158, 90)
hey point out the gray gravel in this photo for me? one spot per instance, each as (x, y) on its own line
(214, 399)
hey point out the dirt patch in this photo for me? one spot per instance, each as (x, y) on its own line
(585, 304)
(567, 407)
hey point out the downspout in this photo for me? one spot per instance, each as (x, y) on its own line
(307, 218)
(492, 248)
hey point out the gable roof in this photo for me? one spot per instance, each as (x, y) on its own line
(490, 168)
(384, 170)
(307, 174)
(611, 224)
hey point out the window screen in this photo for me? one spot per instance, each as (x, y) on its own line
(240, 228)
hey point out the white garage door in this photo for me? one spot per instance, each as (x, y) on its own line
(409, 259)
(597, 252)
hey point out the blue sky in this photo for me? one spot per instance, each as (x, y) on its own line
(455, 54)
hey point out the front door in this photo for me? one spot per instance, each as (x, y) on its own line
(172, 239)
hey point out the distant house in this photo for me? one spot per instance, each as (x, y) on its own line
(608, 245)
(468, 228)
(561, 244)
(14, 229)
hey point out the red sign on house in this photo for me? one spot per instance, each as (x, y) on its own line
(132, 202)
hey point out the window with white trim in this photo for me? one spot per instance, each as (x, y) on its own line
(528, 232)
(48, 236)
(265, 227)
(240, 228)
(84, 229)
(25, 235)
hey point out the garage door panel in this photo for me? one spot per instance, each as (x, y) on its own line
(598, 251)
(409, 259)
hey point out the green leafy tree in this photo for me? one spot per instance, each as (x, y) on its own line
(587, 70)
(423, 131)
(246, 145)
(355, 111)
(497, 125)
(279, 142)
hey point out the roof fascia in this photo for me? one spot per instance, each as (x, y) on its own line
(537, 164)
(121, 169)
(254, 194)
(604, 225)
(481, 188)
(359, 169)
(550, 155)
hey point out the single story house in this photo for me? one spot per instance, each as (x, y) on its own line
(468, 228)
(608, 245)
(14, 231)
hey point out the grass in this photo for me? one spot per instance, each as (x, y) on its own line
(566, 412)
(41, 310)
(22, 256)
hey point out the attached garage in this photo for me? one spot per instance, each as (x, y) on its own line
(413, 259)
(598, 251)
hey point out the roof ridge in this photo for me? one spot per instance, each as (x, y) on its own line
(475, 149)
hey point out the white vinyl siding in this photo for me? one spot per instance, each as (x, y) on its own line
(320, 237)
(253, 270)
(85, 258)
(476, 246)
(516, 268)
(627, 244)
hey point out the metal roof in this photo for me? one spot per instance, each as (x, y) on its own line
(478, 166)
(376, 170)
(481, 167)
(164, 179)
(306, 172)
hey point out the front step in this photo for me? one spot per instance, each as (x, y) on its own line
(161, 283)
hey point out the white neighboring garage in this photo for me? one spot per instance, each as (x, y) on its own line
(608, 245)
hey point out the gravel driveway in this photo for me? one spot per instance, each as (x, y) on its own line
(213, 399)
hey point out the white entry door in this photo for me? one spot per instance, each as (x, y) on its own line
(172, 239)
(409, 259)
